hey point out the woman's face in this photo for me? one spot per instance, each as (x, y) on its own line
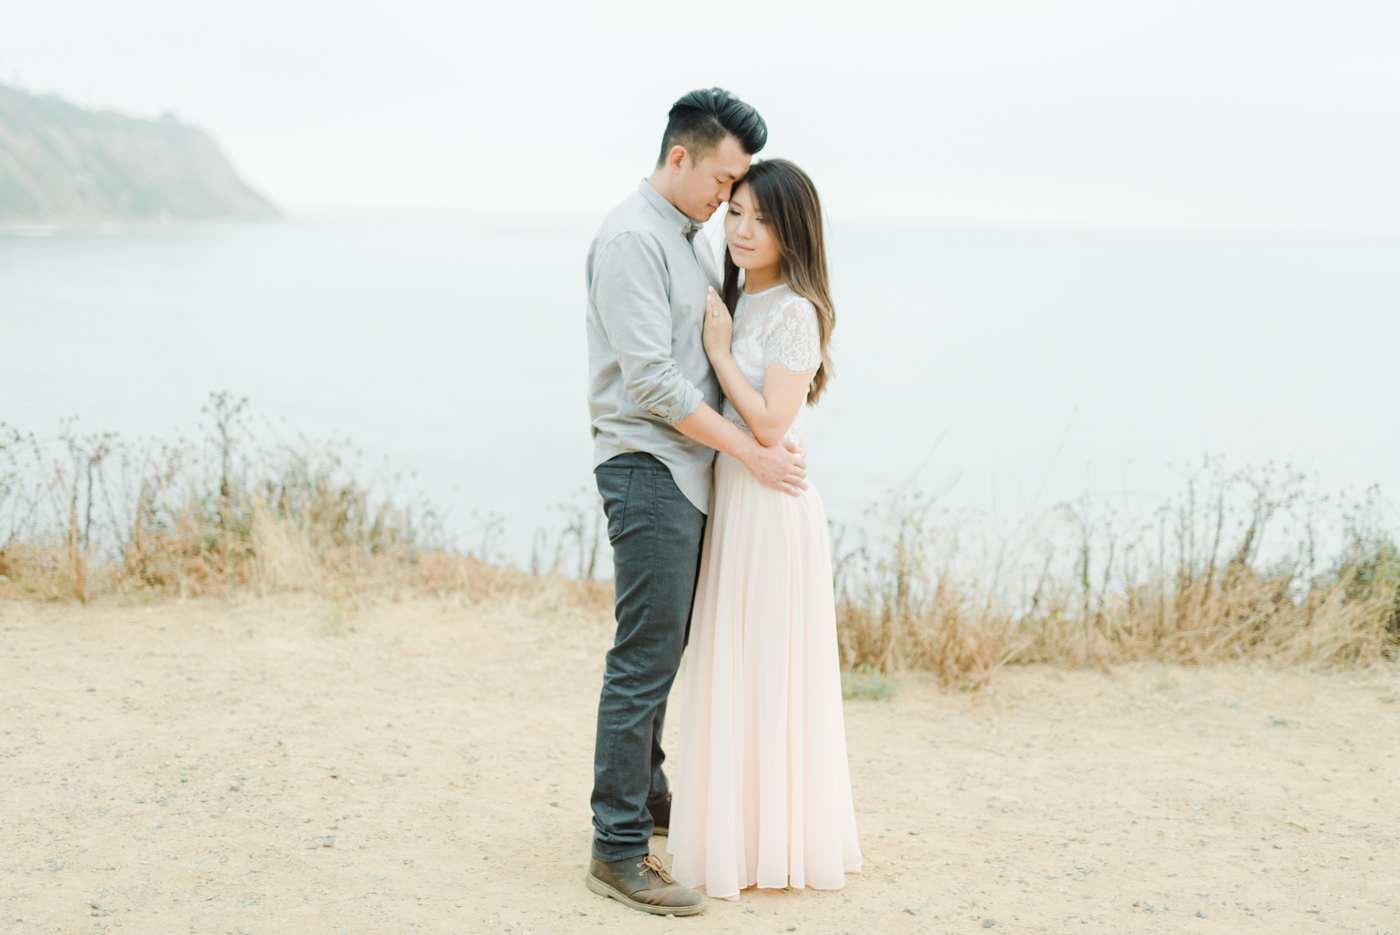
(749, 242)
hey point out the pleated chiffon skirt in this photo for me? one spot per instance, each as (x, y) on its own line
(762, 790)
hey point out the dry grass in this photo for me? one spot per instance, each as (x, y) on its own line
(1195, 581)
(1188, 584)
(87, 516)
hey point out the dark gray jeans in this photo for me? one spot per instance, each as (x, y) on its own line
(655, 534)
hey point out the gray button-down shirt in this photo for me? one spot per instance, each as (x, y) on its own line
(647, 368)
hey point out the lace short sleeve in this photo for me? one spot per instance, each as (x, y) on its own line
(793, 339)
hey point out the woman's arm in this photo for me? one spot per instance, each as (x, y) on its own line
(769, 414)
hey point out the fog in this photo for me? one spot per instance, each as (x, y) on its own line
(980, 163)
(1253, 115)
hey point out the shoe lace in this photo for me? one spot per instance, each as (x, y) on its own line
(653, 863)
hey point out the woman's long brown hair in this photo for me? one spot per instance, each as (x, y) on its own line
(792, 213)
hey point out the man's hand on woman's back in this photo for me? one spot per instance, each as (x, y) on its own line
(782, 467)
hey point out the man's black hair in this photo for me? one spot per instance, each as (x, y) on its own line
(701, 120)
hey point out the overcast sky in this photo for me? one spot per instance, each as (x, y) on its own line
(1274, 115)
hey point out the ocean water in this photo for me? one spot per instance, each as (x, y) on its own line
(1006, 369)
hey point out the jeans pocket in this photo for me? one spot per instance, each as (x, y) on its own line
(614, 485)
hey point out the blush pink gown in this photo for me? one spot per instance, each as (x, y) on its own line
(762, 789)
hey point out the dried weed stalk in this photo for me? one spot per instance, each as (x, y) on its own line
(1191, 583)
(1228, 570)
(88, 515)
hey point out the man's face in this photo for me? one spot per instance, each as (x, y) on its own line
(700, 188)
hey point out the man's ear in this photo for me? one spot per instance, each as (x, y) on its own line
(676, 157)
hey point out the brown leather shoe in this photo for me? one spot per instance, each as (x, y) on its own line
(643, 884)
(661, 817)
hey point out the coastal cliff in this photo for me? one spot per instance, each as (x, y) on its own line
(63, 164)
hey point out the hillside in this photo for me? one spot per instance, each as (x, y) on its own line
(62, 164)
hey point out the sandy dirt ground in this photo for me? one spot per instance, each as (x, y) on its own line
(299, 765)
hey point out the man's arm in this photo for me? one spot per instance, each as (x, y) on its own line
(629, 292)
(781, 467)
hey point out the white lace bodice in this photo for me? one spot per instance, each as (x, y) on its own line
(773, 326)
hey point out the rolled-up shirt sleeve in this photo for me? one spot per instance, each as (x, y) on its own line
(629, 290)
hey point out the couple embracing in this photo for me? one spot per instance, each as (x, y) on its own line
(697, 380)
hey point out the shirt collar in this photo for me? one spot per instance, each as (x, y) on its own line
(672, 215)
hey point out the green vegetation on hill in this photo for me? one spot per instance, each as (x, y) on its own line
(60, 163)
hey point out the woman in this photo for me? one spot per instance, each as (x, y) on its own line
(763, 792)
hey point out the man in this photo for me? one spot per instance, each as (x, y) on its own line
(653, 401)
